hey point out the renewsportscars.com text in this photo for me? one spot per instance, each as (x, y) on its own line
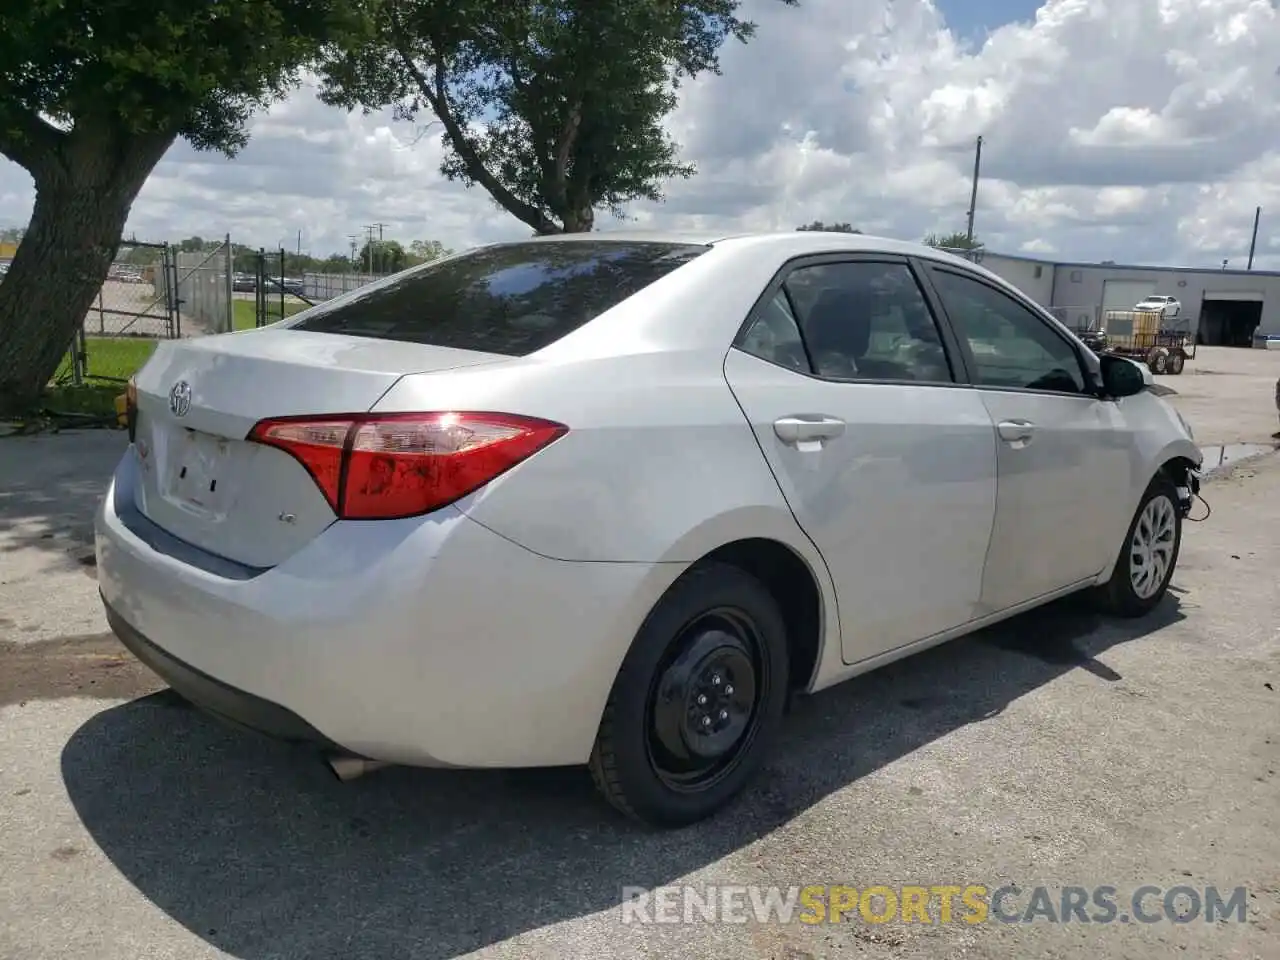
(933, 904)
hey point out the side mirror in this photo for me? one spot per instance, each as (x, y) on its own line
(1123, 378)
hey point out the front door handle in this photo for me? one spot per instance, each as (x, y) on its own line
(1017, 432)
(807, 431)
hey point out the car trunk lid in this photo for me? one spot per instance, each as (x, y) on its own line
(198, 399)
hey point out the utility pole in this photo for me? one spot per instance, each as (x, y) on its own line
(299, 243)
(1253, 244)
(973, 195)
(368, 245)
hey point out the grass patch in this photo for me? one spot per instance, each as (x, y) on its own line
(111, 362)
(110, 358)
(93, 402)
(244, 312)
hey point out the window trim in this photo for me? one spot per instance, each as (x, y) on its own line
(1087, 374)
(950, 344)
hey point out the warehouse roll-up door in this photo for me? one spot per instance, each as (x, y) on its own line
(1229, 317)
(1124, 294)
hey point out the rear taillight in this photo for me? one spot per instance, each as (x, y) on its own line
(384, 466)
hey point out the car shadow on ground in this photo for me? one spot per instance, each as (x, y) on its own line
(258, 849)
(50, 486)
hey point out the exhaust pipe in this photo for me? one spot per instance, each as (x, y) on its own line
(348, 768)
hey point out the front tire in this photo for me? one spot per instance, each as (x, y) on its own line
(697, 701)
(1149, 554)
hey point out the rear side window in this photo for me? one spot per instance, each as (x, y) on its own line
(512, 299)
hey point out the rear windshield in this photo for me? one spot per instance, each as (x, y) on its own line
(511, 299)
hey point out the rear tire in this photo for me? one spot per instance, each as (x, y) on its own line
(1148, 556)
(1177, 360)
(1158, 360)
(697, 701)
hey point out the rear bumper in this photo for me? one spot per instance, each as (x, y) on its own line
(431, 641)
(210, 694)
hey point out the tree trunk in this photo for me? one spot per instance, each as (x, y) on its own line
(83, 197)
(579, 221)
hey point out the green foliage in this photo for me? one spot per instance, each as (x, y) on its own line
(819, 227)
(153, 68)
(382, 256)
(422, 251)
(953, 241)
(554, 107)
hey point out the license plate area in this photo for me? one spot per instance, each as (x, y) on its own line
(196, 474)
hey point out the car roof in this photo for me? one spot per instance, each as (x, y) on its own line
(792, 242)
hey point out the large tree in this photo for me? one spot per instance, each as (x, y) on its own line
(92, 95)
(554, 107)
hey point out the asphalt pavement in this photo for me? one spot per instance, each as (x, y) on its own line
(1059, 749)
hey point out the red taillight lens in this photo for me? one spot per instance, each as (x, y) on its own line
(380, 467)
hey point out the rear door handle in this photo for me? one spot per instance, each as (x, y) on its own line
(1016, 431)
(807, 432)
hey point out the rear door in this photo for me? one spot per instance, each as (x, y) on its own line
(1063, 454)
(887, 462)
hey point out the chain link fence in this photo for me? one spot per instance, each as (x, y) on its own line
(325, 286)
(200, 288)
(153, 292)
(132, 300)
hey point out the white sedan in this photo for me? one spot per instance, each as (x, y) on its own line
(609, 499)
(1167, 307)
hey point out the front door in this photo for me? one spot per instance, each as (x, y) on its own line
(888, 465)
(1061, 460)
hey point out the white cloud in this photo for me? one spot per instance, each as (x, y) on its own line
(1039, 247)
(1131, 132)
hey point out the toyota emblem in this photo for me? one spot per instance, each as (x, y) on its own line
(180, 398)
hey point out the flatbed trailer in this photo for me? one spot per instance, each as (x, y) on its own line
(1144, 336)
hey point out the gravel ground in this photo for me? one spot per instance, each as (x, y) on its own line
(1058, 749)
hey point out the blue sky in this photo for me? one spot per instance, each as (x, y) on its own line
(971, 19)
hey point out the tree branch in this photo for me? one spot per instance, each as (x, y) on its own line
(565, 145)
(435, 92)
(29, 141)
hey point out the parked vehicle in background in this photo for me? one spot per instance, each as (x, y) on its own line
(244, 283)
(1167, 307)
(1146, 336)
(293, 286)
(610, 499)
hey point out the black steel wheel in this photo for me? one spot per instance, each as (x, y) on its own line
(698, 697)
(703, 709)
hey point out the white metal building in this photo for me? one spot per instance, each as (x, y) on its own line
(1228, 307)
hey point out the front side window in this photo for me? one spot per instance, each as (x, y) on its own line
(1011, 346)
(511, 299)
(858, 320)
